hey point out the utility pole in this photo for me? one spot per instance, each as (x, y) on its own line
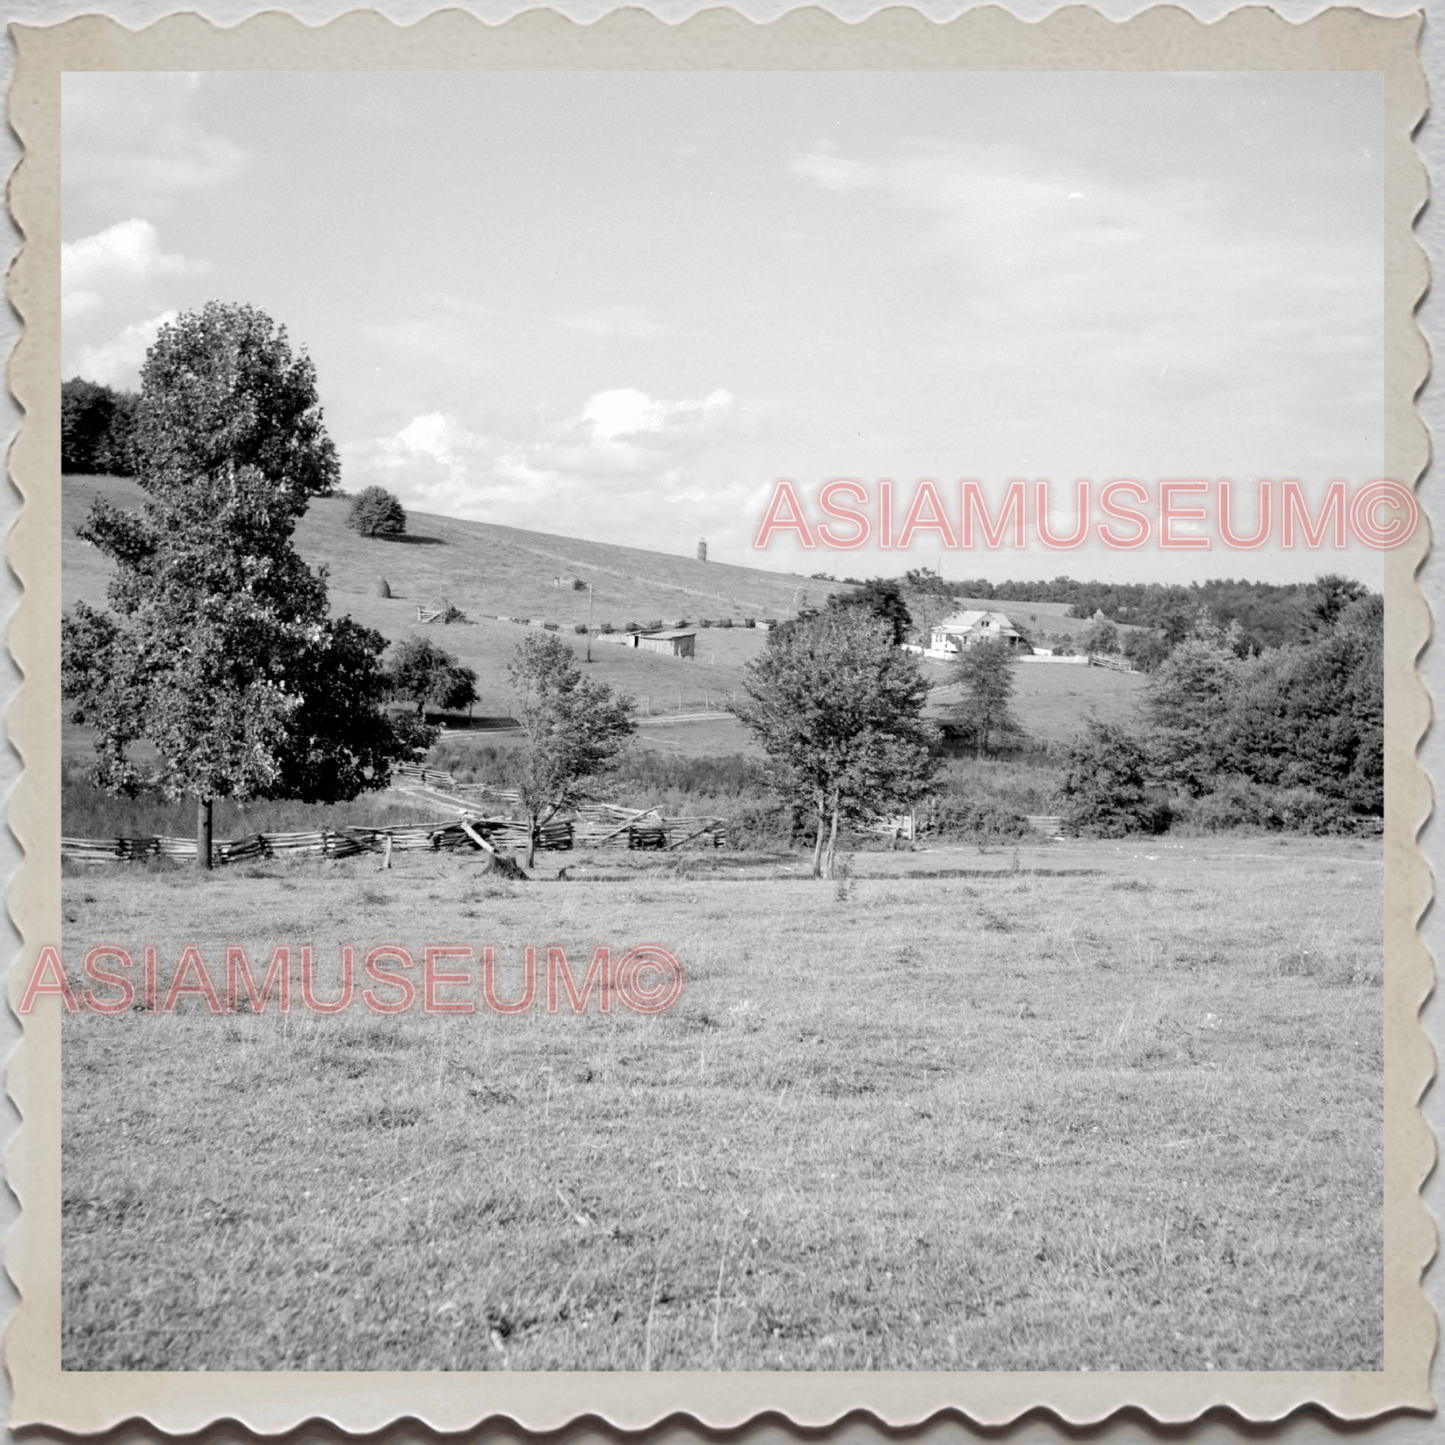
(589, 622)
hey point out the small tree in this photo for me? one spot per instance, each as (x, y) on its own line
(218, 648)
(374, 512)
(839, 710)
(429, 676)
(574, 729)
(985, 673)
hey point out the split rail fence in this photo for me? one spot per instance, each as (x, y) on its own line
(594, 826)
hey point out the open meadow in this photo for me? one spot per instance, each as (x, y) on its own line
(1103, 1105)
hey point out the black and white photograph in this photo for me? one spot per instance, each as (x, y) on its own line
(728, 721)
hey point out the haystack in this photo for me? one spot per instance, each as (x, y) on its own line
(381, 588)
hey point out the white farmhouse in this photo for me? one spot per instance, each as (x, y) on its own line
(964, 629)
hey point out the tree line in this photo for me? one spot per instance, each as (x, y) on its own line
(97, 429)
(1290, 737)
(1258, 615)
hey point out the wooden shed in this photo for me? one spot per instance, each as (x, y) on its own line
(672, 643)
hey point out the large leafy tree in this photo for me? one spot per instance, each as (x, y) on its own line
(573, 727)
(1313, 714)
(217, 648)
(984, 674)
(839, 710)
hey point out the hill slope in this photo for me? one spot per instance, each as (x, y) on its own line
(492, 572)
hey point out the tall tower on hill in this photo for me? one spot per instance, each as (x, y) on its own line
(702, 549)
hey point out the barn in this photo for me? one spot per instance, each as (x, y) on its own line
(672, 643)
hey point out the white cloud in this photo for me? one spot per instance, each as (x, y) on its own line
(638, 447)
(126, 255)
(117, 362)
(629, 412)
(429, 462)
(131, 141)
(627, 323)
(435, 437)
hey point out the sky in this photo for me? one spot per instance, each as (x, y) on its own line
(624, 306)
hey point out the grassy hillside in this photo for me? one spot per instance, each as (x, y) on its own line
(493, 572)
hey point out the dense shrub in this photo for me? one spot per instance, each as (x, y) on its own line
(960, 819)
(767, 826)
(580, 628)
(1104, 793)
(1242, 803)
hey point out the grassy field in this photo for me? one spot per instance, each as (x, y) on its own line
(1052, 700)
(1104, 1105)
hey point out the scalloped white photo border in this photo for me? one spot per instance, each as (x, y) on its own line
(1073, 38)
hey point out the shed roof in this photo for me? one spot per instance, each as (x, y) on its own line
(671, 632)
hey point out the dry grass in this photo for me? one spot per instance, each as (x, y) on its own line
(1122, 1115)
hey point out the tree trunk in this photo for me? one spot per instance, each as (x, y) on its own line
(818, 846)
(531, 838)
(203, 833)
(832, 844)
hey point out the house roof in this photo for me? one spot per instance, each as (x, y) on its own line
(671, 632)
(974, 618)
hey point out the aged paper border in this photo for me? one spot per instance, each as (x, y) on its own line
(1076, 38)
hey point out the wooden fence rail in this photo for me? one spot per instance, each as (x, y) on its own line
(637, 830)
